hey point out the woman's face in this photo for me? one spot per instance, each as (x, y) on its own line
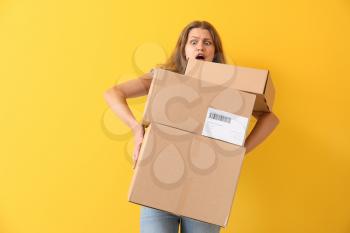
(200, 45)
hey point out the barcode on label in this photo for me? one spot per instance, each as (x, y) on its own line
(219, 117)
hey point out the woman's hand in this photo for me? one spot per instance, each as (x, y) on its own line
(138, 132)
(116, 98)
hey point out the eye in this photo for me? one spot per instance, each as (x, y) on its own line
(193, 42)
(208, 43)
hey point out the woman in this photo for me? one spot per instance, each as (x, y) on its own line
(199, 40)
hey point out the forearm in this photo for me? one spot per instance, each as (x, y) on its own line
(117, 102)
(264, 126)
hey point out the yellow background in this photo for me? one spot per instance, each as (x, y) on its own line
(65, 165)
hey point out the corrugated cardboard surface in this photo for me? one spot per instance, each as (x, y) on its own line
(186, 174)
(182, 101)
(246, 79)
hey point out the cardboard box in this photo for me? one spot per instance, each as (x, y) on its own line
(192, 153)
(186, 174)
(246, 79)
(198, 106)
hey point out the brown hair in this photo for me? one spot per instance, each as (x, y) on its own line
(177, 61)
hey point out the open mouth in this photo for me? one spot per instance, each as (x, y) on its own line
(200, 57)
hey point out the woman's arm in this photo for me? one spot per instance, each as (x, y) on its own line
(116, 99)
(266, 123)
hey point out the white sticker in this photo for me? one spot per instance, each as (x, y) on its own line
(225, 126)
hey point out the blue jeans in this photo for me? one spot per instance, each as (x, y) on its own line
(158, 221)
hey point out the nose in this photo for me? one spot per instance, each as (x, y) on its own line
(200, 46)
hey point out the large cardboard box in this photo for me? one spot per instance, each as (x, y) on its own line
(192, 152)
(186, 174)
(198, 106)
(257, 81)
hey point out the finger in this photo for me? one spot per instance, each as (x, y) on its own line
(139, 138)
(134, 164)
(135, 158)
(136, 151)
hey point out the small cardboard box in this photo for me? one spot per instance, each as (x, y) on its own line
(256, 81)
(186, 174)
(197, 106)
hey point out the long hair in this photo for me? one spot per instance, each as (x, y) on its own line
(177, 61)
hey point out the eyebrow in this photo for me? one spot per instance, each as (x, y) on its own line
(196, 37)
